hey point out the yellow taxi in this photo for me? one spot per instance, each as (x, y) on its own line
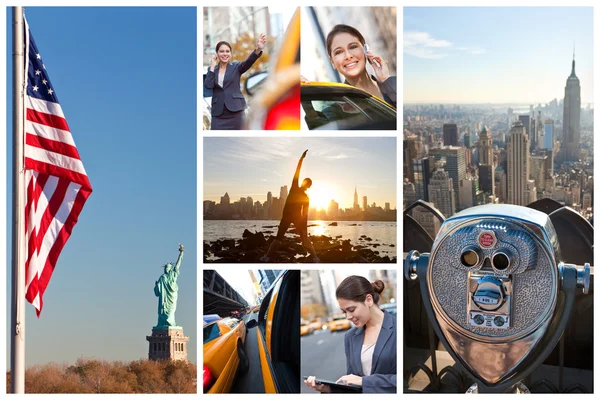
(275, 103)
(224, 353)
(317, 324)
(335, 106)
(305, 328)
(339, 323)
(278, 334)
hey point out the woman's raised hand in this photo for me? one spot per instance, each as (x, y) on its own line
(262, 40)
(380, 66)
(213, 61)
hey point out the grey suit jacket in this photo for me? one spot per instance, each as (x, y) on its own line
(230, 94)
(383, 370)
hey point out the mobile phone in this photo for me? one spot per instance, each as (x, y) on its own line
(367, 48)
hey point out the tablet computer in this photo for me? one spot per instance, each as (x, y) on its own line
(338, 387)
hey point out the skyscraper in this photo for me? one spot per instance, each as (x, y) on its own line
(571, 116)
(355, 206)
(467, 140)
(455, 164)
(538, 171)
(441, 192)
(333, 209)
(225, 201)
(518, 165)
(486, 153)
(526, 121)
(548, 143)
(413, 147)
(283, 193)
(465, 193)
(486, 178)
(450, 134)
(422, 168)
(365, 204)
(409, 194)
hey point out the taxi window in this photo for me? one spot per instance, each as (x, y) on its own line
(211, 332)
(263, 314)
(351, 111)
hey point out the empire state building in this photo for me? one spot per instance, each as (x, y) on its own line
(571, 117)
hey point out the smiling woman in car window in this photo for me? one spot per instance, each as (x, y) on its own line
(223, 77)
(370, 346)
(349, 55)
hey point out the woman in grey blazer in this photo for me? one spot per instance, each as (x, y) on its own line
(223, 77)
(371, 345)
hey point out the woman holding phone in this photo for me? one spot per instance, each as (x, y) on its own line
(223, 77)
(349, 55)
(370, 346)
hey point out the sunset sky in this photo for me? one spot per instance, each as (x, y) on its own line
(254, 166)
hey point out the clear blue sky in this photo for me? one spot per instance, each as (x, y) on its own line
(496, 54)
(254, 166)
(126, 80)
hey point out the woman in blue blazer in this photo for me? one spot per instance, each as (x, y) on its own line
(371, 345)
(223, 77)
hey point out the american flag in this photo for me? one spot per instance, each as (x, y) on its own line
(56, 183)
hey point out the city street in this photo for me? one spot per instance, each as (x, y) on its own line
(252, 381)
(322, 356)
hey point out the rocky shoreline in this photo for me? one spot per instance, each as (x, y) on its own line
(253, 246)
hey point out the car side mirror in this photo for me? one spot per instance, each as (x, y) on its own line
(254, 82)
(251, 324)
(497, 292)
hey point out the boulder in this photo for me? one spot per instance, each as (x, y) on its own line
(333, 224)
(229, 243)
(253, 241)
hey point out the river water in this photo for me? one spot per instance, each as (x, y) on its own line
(383, 233)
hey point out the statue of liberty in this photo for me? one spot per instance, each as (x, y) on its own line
(166, 289)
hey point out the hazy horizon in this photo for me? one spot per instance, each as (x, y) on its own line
(492, 60)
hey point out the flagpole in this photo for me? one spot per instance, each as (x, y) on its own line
(17, 359)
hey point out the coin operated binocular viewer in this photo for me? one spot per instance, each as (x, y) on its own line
(496, 292)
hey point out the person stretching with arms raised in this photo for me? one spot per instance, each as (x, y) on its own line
(295, 212)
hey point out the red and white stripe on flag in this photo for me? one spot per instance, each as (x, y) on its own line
(56, 183)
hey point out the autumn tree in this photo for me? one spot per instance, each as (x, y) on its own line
(246, 44)
(313, 310)
(97, 376)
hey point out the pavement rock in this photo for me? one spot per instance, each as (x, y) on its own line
(253, 246)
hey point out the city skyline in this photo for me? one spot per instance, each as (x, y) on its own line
(273, 192)
(520, 160)
(257, 166)
(488, 61)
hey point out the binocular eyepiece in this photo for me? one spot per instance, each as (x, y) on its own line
(491, 288)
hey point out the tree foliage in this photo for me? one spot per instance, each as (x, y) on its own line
(98, 376)
(313, 310)
(246, 44)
